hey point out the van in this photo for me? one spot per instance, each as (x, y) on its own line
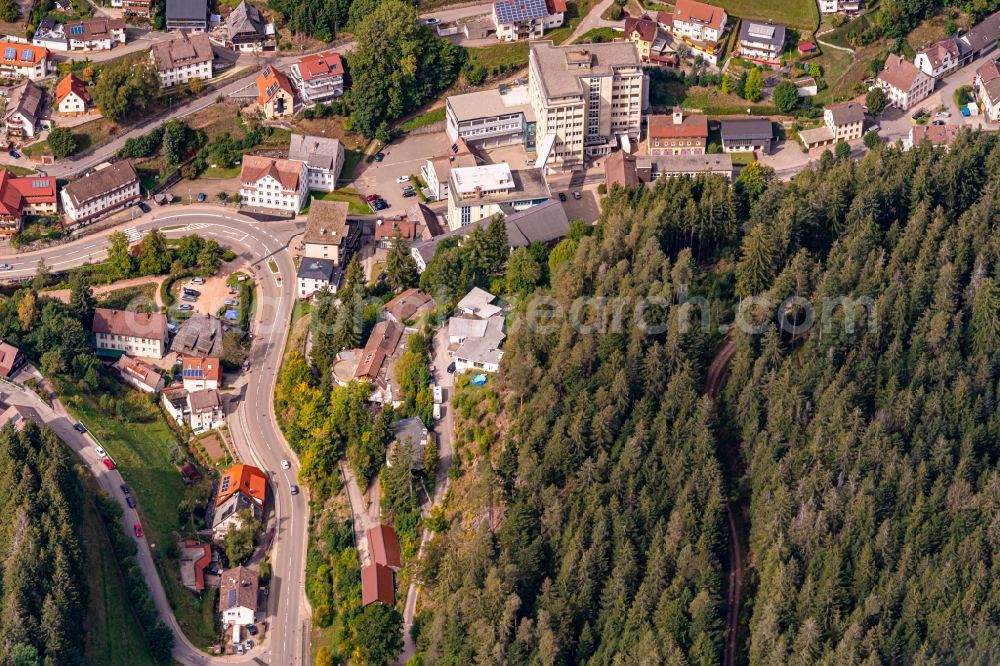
(436, 390)
(437, 411)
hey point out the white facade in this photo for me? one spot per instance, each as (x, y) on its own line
(938, 60)
(72, 105)
(23, 61)
(238, 615)
(309, 286)
(903, 83)
(102, 204)
(269, 192)
(480, 192)
(131, 345)
(835, 6)
(19, 124)
(180, 75)
(700, 30)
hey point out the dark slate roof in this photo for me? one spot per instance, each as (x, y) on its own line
(747, 128)
(983, 33)
(318, 269)
(772, 34)
(187, 10)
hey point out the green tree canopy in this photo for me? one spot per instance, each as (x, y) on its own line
(61, 142)
(786, 96)
(876, 101)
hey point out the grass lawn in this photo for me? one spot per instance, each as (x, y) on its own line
(424, 119)
(351, 160)
(597, 35)
(142, 452)
(714, 102)
(112, 632)
(800, 14)
(87, 135)
(301, 309)
(18, 170)
(221, 172)
(355, 203)
(741, 159)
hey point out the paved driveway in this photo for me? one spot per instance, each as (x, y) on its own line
(402, 158)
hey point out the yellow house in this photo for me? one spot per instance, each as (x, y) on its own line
(641, 32)
(275, 97)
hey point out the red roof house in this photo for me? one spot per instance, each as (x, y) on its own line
(383, 544)
(377, 585)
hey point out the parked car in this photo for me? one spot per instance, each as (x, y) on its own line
(197, 280)
(409, 193)
(144, 207)
(137, 528)
(239, 648)
(108, 463)
(201, 197)
(432, 21)
(248, 644)
(379, 157)
(252, 630)
(100, 451)
(562, 196)
(293, 489)
(231, 301)
(372, 197)
(284, 464)
(172, 328)
(125, 489)
(577, 195)
(5, 267)
(409, 188)
(79, 427)
(184, 307)
(403, 179)
(380, 204)
(943, 114)
(14, 154)
(938, 122)
(130, 501)
(451, 367)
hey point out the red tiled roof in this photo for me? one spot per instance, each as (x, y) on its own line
(243, 478)
(664, 127)
(690, 11)
(286, 172)
(134, 324)
(381, 343)
(619, 169)
(646, 28)
(377, 585)
(200, 565)
(387, 228)
(319, 65)
(899, 73)
(71, 84)
(200, 368)
(268, 76)
(37, 54)
(8, 358)
(555, 6)
(383, 544)
(807, 47)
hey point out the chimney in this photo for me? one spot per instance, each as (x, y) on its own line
(479, 192)
(678, 116)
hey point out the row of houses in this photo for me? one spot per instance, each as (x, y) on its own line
(92, 34)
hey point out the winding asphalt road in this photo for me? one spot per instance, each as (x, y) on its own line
(250, 416)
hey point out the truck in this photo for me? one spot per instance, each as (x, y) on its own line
(436, 390)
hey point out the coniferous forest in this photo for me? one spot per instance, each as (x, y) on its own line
(861, 462)
(43, 598)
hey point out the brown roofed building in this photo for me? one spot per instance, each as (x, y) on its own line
(275, 95)
(139, 374)
(18, 416)
(383, 545)
(12, 359)
(377, 585)
(95, 34)
(134, 333)
(381, 345)
(903, 83)
(642, 32)
(329, 234)
(200, 373)
(408, 306)
(238, 597)
(23, 113)
(386, 229)
(939, 136)
(183, 58)
(100, 193)
(620, 169)
(698, 20)
(677, 134)
(268, 182)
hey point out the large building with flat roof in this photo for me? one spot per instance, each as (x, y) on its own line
(497, 117)
(480, 192)
(587, 100)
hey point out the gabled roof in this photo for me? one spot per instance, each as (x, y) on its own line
(319, 152)
(19, 416)
(387, 229)
(93, 28)
(99, 183)
(205, 400)
(133, 324)
(245, 19)
(846, 114)
(206, 369)
(377, 585)
(8, 358)
(326, 223)
(512, 11)
(312, 268)
(646, 28)
(71, 84)
(246, 479)
(286, 172)
(138, 371)
(690, 11)
(938, 135)
(408, 304)
(900, 73)
(620, 169)
(318, 65)
(555, 6)
(381, 343)
(25, 99)
(663, 127)
(238, 588)
(182, 50)
(187, 10)
(383, 545)
(269, 82)
(983, 33)
(772, 34)
(936, 53)
(22, 55)
(990, 73)
(747, 128)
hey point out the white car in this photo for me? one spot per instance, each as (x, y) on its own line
(403, 179)
(284, 464)
(432, 21)
(184, 306)
(5, 267)
(577, 195)
(100, 451)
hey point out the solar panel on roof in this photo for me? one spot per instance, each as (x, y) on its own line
(9, 53)
(232, 598)
(76, 30)
(39, 184)
(762, 31)
(266, 72)
(27, 55)
(520, 10)
(271, 89)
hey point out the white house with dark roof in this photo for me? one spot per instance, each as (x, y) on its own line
(762, 42)
(324, 158)
(133, 333)
(329, 233)
(246, 30)
(23, 113)
(988, 89)
(190, 15)
(102, 192)
(183, 58)
(316, 275)
(841, 122)
(526, 19)
(238, 599)
(747, 135)
(904, 84)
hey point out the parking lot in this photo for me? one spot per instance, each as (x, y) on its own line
(212, 295)
(402, 158)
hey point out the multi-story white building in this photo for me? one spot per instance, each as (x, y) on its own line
(204, 410)
(479, 192)
(939, 59)
(903, 83)
(107, 190)
(319, 77)
(698, 21)
(586, 100)
(183, 58)
(988, 89)
(94, 34)
(238, 599)
(835, 6)
(762, 42)
(495, 117)
(842, 122)
(200, 374)
(526, 19)
(436, 172)
(23, 114)
(72, 96)
(329, 234)
(139, 8)
(23, 61)
(324, 158)
(317, 275)
(31, 195)
(132, 333)
(267, 182)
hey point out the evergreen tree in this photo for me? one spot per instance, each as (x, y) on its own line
(754, 85)
(119, 256)
(400, 266)
(758, 262)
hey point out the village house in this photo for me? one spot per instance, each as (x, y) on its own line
(28, 195)
(317, 275)
(23, 61)
(699, 25)
(319, 77)
(136, 8)
(762, 42)
(23, 113)
(840, 6)
(268, 182)
(204, 410)
(275, 96)
(324, 158)
(198, 335)
(377, 585)
(378, 576)
(94, 34)
(12, 360)
(515, 20)
(988, 89)
(183, 58)
(139, 374)
(200, 373)
(19, 416)
(677, 134)
(329, 233)
(478, 303)
(383, 546)
(939, 136)
(189, 15)
(980, 38)
(102, 192)
(841, 122)
(72, 97)
(238, 599)
(409, 306)
(939, 59)
(748, 135)
(241, 488)
(903, 83)
(119, 332)
(384, 345)
(481, 353)
(246, 30)
(409, 432)
(385, 231)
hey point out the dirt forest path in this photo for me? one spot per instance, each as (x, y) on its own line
(734, 598)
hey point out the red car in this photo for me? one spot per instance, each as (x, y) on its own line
(108, 463)
(138, 530)
(371, 197)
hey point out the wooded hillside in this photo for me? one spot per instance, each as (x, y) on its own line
(863, 464)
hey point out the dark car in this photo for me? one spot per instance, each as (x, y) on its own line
(125, 489)
(293, 489)
(14, 154)
(380, 205)
(79, 427)
(451, 367)
(379, 157)
(201, 197)
(144, 207)
(409, 193)
(252, 630)
(938, 122)
(130, 501)
(562, 196)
